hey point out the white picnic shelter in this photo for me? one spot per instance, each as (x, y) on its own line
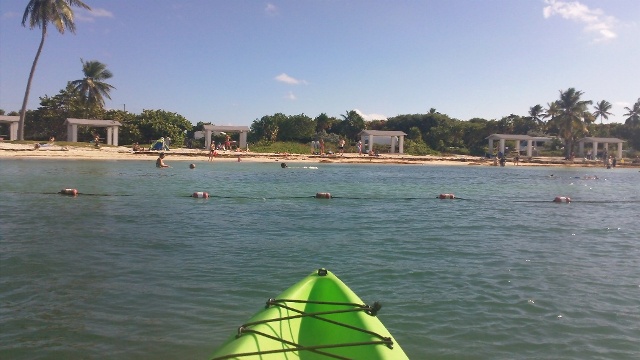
(595, 141)
(111, 125)
(13, 125)
(396, 138)
(531, 140)
(208, 129)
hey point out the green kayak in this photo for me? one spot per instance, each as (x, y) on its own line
(317, 318)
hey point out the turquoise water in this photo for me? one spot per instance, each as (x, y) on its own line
(134, 268)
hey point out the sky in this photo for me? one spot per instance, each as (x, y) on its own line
(232, 62)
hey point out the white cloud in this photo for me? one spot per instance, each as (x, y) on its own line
(290, 96)
(91, 15)
(369, 117)
(271, 9)
(101, 13)
(289, 80)
(594, 20)
(10, 15)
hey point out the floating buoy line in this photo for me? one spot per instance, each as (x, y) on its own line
(73, 192)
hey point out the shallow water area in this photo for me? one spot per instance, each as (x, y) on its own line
(135, 268)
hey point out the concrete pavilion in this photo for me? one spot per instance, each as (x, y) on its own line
(595, 141)
(111, 125)
(394, 137)
(13, 125)
(517, 138)
(208, 129)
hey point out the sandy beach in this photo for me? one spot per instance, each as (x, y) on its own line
(27, 151)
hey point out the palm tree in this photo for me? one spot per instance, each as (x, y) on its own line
(573, 117)
(633, 114)
(536, 113)
(551, 112)
(39, 13)
(92, 88)
(602, 110)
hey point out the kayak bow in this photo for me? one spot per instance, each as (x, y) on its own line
(317, 318)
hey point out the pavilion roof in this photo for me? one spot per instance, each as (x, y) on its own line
(381, 133)
(516, 137)
(92, 122)
(224, 128)
(9, 119)
(601, 140)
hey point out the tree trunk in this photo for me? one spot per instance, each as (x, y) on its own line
(23, 111)
(569, 149)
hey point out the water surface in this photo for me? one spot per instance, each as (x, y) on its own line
(134, 268)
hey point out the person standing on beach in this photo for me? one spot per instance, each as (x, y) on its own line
(321, 146)
(359, 147)
(212, 150)
(160, 162)
(341, 146)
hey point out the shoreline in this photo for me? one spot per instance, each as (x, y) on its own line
(26, 151)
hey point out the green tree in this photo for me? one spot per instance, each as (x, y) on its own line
(351, 125)
(632, 125)
(602, 110)
(633, 114)
(39, 13)
(266, 128)
(48, 119)
(153, 124)
(324, 122)
(92, 87)
(573, 117)
(536, 113)
(414, 134)
(551, 113)
(297, 128)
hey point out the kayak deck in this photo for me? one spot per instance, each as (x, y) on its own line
(317, 318)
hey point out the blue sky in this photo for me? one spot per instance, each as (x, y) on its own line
(231, 62)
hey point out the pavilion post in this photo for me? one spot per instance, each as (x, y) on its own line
(620, 150)
(529, 148)
(13, 131)
(243, 140)
(115, 136)
(207, 138)
(72, 133)
(401, 145)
